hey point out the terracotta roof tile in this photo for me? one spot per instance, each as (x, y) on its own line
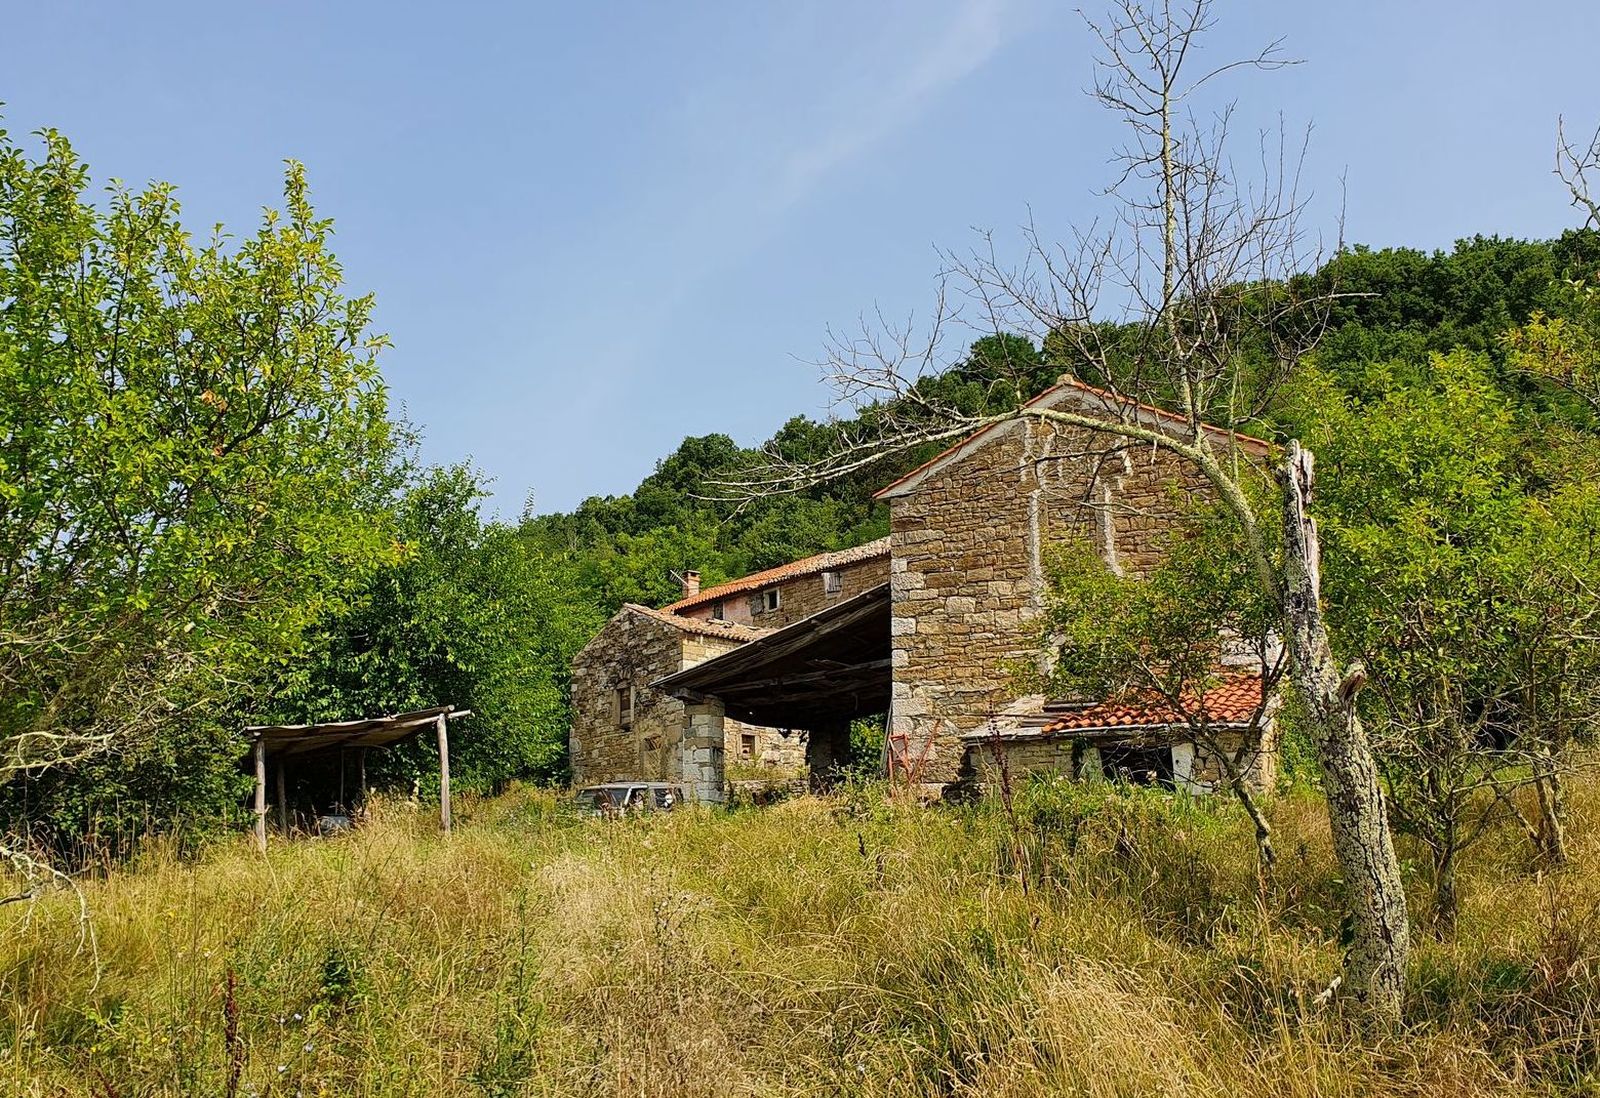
(730, 630)
(1231, 701)
(822, 562)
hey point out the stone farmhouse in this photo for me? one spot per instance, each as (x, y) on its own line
(622, 727)
(926, 626)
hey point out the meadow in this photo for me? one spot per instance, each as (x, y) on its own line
(1109, 942)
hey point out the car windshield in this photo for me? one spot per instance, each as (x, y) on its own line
(593, 798)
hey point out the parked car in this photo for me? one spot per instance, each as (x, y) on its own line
(615, 798)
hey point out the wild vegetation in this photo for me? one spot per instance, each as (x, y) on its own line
(441, 604)
(858, 945)
(208, 516)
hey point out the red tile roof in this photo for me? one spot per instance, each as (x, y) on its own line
(822, 562)
(1230, 701)
(730, 630)
(1113, 401)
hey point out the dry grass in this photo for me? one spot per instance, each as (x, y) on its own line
(850, 946)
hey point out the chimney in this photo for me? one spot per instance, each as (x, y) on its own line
(691, 584)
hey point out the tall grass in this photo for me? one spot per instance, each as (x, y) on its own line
(854, 945)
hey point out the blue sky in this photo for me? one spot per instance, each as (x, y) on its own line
(595, 228)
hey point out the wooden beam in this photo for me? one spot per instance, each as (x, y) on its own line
(801, 678)
(361, 772)
(283, 801)
(863, 620)
(261, 794)
(443, 728)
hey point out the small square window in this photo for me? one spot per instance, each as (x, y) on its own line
(747, 746)
(716, 610)
(771, 600)
(832, 583)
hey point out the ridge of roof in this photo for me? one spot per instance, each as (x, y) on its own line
(819, 562)
(731, 630)
(1072, 384)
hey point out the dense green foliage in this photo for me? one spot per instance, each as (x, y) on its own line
(1460, 532)
(474, 616)
(195, 457)
(208, 517)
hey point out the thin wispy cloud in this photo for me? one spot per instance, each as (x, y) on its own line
(902, 75)
(750, 159)
(961, 46)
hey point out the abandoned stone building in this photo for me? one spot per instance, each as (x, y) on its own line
(623, 727)
(926, 626)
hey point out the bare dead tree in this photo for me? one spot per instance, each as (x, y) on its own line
(1187, 297)
(1577, 166)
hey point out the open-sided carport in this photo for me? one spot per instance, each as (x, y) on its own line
(819, 674)
(281, 743)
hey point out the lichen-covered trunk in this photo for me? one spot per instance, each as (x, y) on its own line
(1375, 966)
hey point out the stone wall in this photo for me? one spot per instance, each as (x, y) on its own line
(798, 596)
(970, 547)
(803, 596)
(1260, 764)
(1195, 767)
(634, 649)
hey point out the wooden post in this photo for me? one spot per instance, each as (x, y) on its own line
(444, 771)
(261, 793)
(283, 800)
(343, 804)
(361, 773)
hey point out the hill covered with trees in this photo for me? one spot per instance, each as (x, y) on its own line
(254, 539)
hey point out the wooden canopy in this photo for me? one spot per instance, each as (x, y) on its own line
(283, 741)
(833, 665)
(305, 739)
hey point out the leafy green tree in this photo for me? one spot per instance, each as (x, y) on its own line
(1171, 637)
(194, 458)
(475, 616)
(1457, 578)
(1400, 304)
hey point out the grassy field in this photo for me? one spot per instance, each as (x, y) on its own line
(853, 945)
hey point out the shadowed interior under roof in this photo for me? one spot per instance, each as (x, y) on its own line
(830, 666)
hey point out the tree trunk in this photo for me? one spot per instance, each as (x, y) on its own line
(1240, 788)
(1375, 966)
(1552, 810)
(1446, 902)
(1263, 830)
